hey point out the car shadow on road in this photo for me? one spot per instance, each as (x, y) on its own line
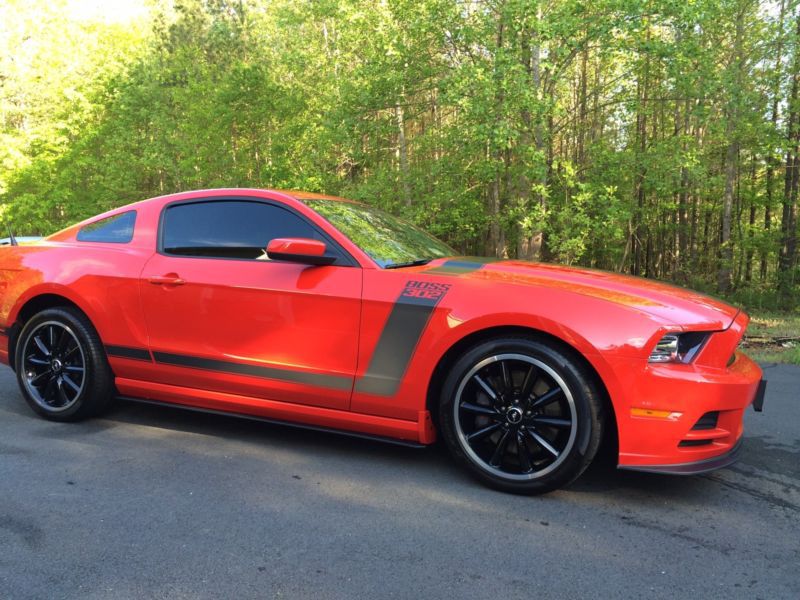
(602, 477)
(253, 431)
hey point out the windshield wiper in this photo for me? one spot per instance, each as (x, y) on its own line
(412, 263)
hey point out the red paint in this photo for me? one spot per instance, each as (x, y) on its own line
(296, 247)
(322, 323)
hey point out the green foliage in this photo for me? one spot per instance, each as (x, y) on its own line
(592, 133)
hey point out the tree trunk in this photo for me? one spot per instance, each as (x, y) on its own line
(731, 157)
(641, 132)
(788, 253)
(748, 274)
(582, 99)
(498, 237)
(683, 198)
(402, 152)
(771, 162)
(530, 242)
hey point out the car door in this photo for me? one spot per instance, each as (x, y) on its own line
(222, 317)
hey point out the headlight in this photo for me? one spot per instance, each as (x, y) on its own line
(678, 347)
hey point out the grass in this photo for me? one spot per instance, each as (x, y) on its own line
(760, 342)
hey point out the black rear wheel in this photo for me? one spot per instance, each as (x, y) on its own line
(522, 415)
(61, 366)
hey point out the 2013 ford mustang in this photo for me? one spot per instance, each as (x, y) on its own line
(322, 312)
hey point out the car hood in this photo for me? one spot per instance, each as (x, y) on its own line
(671, 304)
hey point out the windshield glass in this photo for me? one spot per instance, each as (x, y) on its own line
(389, 241)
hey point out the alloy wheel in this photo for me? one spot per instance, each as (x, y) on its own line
(54, 366)
(515, 417)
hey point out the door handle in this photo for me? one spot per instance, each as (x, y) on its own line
(171, 279)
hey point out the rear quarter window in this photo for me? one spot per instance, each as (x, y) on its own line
(111, 230)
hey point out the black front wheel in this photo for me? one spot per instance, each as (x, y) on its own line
(522, 415)
(61, 366)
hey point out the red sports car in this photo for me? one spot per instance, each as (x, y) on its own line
(326, 313)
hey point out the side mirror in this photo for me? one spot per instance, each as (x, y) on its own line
(299, 250)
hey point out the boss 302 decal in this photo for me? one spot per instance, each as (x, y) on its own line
(400, 335)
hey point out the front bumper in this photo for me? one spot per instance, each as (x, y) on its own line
(693, 468)
(686, 419)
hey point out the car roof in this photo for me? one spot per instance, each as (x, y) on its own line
(189, 195)
(301, 195)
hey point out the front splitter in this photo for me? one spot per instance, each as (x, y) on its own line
(691, 468)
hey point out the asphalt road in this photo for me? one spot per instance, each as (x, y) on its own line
(160, 503)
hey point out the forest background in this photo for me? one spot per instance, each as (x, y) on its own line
(657, 138)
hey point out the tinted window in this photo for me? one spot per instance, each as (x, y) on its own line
(115, 230)
(229, 228)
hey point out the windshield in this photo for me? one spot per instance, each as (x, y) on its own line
(389, 241)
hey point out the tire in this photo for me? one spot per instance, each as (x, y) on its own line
(523, 415)
(61, 366)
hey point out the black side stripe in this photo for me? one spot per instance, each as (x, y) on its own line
(461, 266)
(336, 382)
(398, 341)
(396, 345)
(127, 352)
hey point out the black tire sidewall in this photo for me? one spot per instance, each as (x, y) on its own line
(98, 388)
(588, 410)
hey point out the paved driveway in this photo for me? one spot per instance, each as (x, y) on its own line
(160, 503)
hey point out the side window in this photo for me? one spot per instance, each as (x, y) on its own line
(229, 228)
(111, 230)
